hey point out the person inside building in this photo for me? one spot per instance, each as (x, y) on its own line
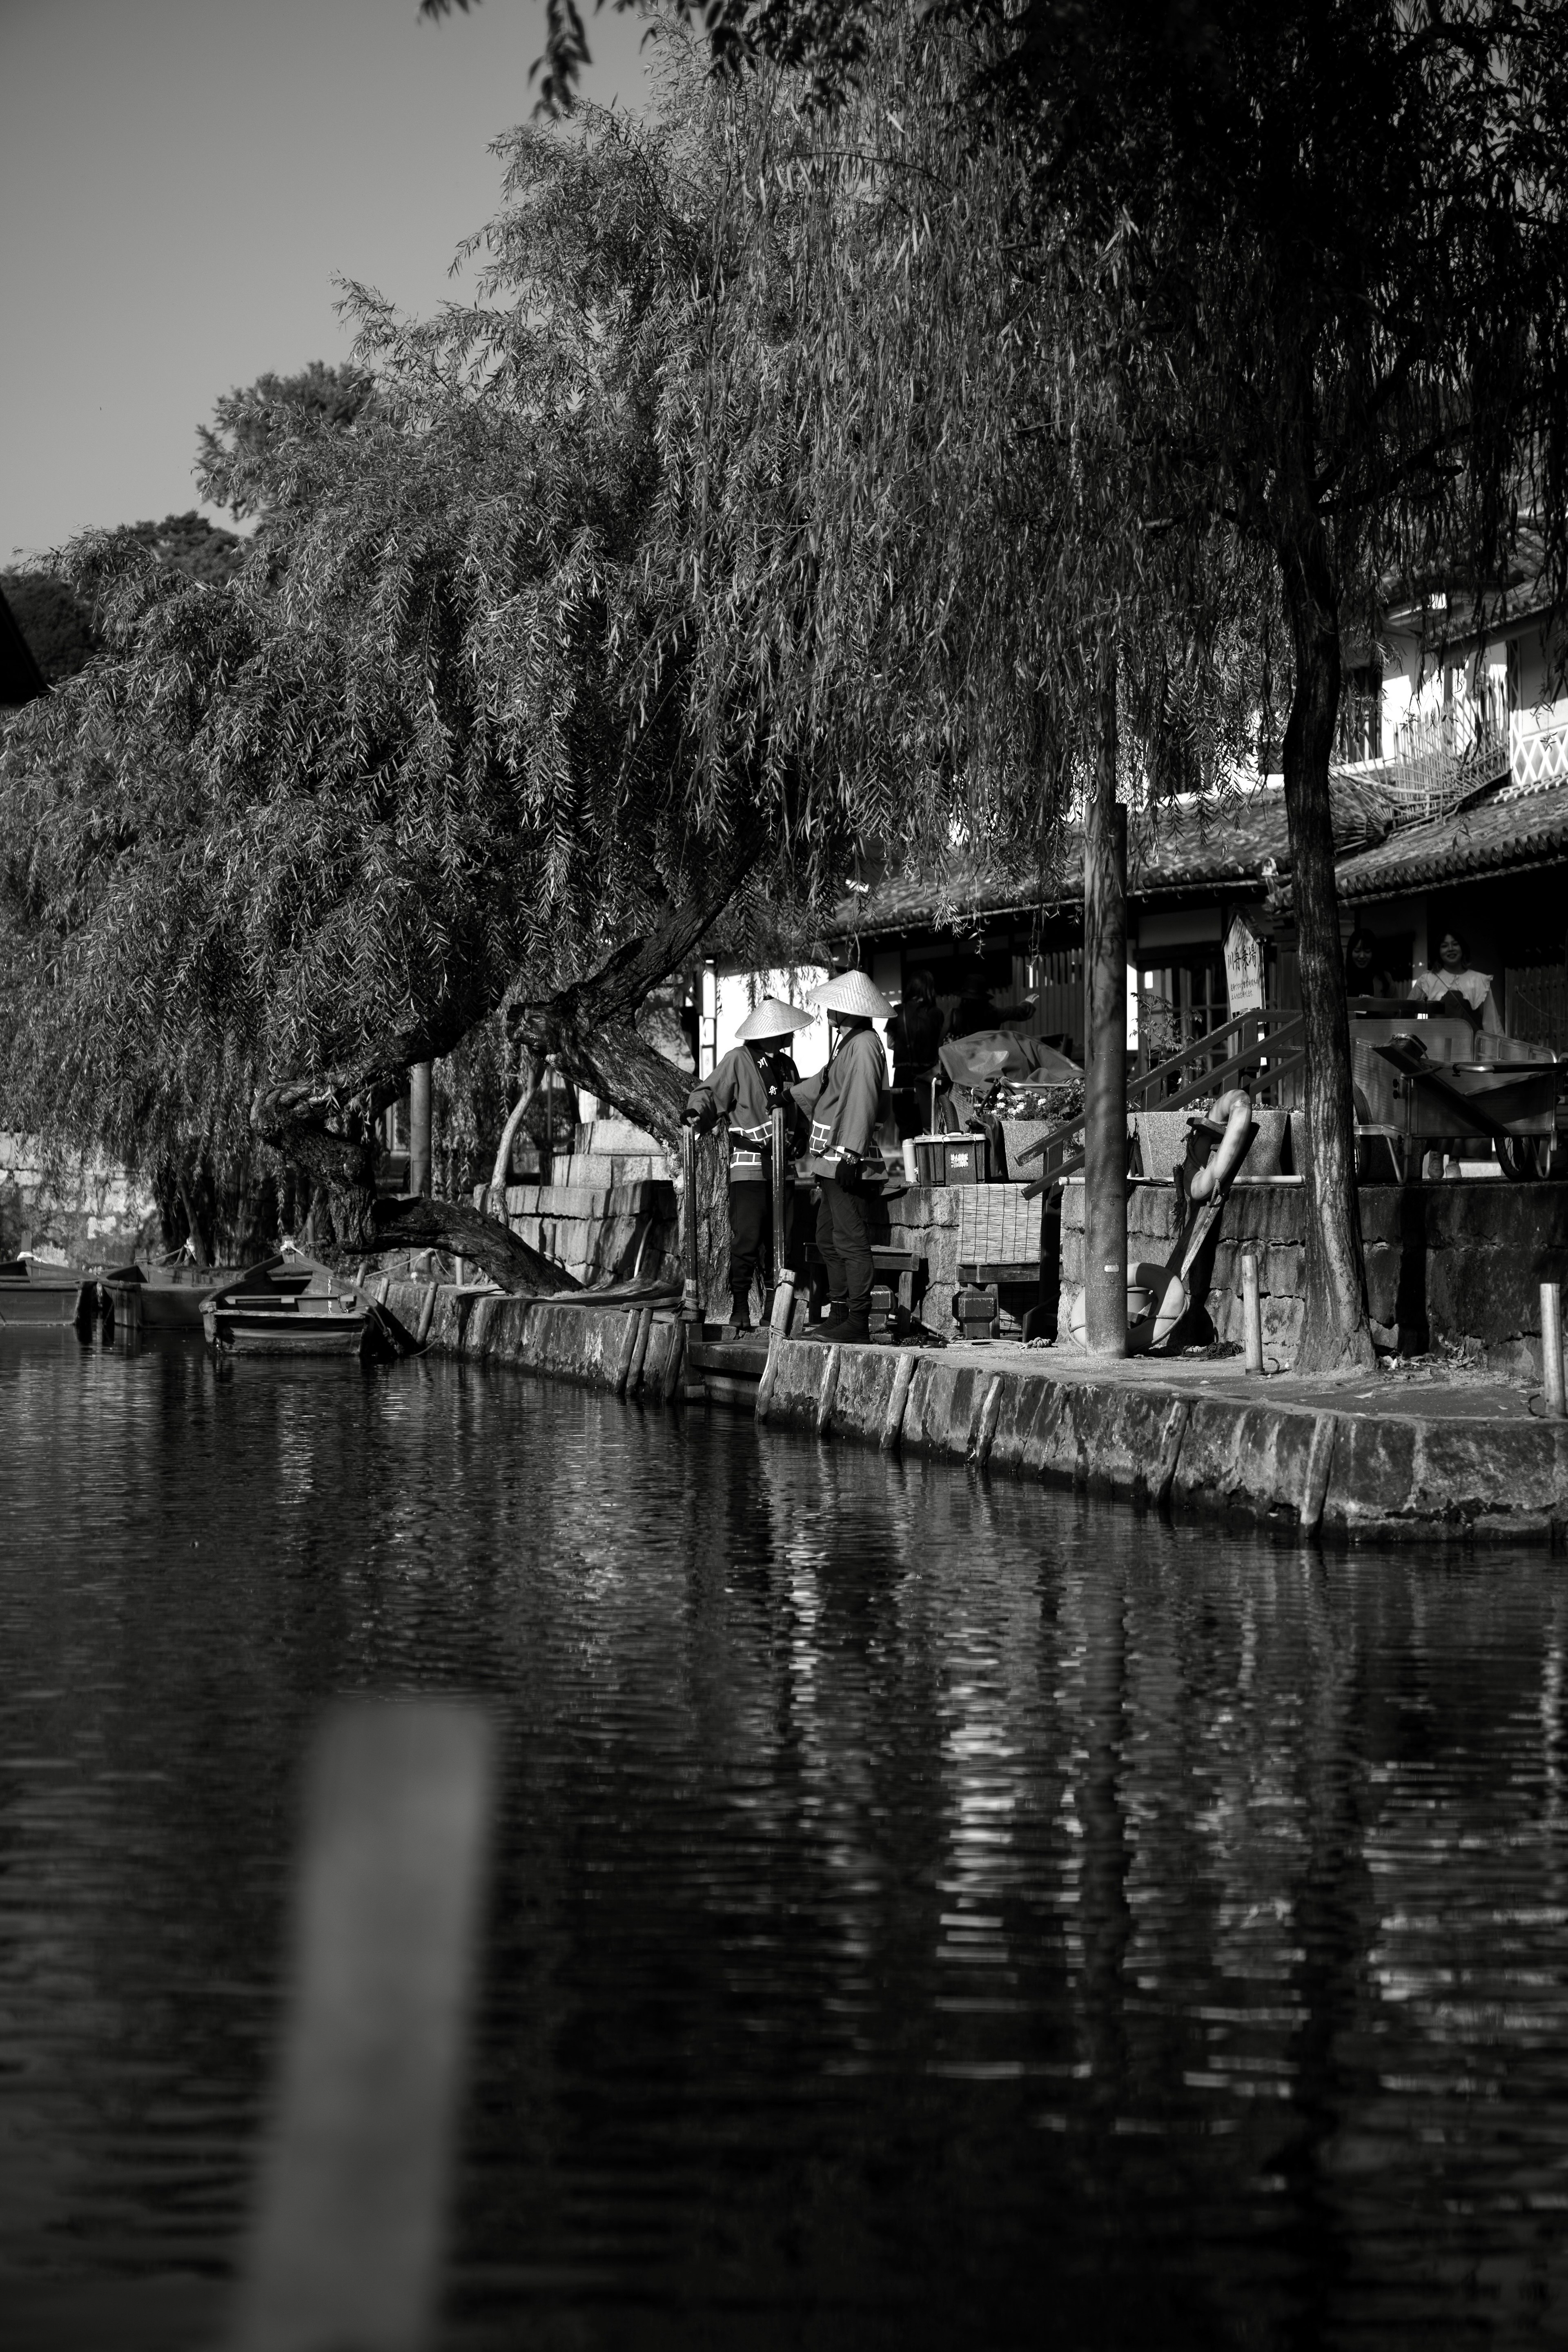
(1453, 985)
(976, 1006)
(914, 1033)
(1364, 967)
(744, 1089)
(845, 1104)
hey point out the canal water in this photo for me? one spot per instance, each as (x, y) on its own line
(922, 1914)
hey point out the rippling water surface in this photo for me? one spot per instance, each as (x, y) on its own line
(922, 1915)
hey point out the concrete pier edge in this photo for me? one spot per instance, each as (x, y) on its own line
(1302, 1469)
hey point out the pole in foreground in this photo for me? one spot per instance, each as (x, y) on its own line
(346, 2241)
(1551, 1349)
(1251, 1312)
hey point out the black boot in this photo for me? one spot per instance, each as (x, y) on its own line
(740, 1323)
(854, 1328)
(837, 1316)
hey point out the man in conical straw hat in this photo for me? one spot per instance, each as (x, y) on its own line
(845, 1103)
(743, 1090)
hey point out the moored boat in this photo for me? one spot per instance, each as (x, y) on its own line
(32, 1291)
(295, 1306)
(162, 1298)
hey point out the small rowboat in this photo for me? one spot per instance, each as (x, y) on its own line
(293, 1306)
(32, 1291)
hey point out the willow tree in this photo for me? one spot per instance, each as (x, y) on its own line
(295, 831)
(1341, 232)
(498, 717)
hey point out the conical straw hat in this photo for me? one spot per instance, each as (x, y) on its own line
(851, 991)
(774, 1018)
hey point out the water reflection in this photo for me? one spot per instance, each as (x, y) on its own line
(923, 1913)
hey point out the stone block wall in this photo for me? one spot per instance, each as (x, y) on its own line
(88, 1212)
(1459, 1264)
(608, 1211)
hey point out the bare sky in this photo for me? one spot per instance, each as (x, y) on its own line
(180, 180)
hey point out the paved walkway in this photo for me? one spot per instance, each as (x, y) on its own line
(1419, 1391)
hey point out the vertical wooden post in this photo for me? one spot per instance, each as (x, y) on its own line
(1251, 1312)
(691, 1301)
(781, 1199)
(1105, 1048)
(1551, 1349)
(419, 1129)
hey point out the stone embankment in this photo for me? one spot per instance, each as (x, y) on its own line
(1375, 1459)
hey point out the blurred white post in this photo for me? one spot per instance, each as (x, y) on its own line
(1251, 1312)
(345, 2247)
(1551, 1349)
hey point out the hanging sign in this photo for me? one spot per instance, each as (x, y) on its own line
(1244, 969)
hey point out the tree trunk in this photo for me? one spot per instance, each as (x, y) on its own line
(1105, 1045)
(520, 1111)
(327, 1124)
(1336, 1329)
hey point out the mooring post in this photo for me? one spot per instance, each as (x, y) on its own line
(1251, 1312)
(781, 1238)
(1551, 1349)
(690, 1303)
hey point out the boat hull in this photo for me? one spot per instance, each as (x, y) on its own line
(282, 1331)
(39, 1299)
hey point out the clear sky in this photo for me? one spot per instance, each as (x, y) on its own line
(181, 180)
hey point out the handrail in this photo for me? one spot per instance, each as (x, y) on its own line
(1270, 1032)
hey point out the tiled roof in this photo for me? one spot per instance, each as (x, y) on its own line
(1186, 848)
(1515, 830)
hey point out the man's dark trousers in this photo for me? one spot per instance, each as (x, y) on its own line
(844, 1238)
(750, 1222)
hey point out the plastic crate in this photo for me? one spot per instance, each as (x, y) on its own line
(968, 1160)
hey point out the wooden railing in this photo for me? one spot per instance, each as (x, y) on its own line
(1265, 1049)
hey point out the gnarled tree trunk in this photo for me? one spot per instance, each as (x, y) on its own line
(327, 1124)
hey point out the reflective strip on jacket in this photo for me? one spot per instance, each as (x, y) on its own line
(845, 1100)
(738, 1088)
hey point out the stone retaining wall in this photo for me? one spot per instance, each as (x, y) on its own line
(1456, 1263)
(1276, 1463)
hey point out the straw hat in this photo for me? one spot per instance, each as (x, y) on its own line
(772, 1018)
(851, 992)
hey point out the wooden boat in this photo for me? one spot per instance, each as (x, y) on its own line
(164, 1297)
(294, 1307)
(34, 1293)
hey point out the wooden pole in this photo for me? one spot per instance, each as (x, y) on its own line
(1251, 1313)
(419, 1129)
(1105, 1051)
(345, 2247)
(781, 1199)
(690, 1299)
(1551, 1349)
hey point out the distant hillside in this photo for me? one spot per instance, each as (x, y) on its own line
(58, 626)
